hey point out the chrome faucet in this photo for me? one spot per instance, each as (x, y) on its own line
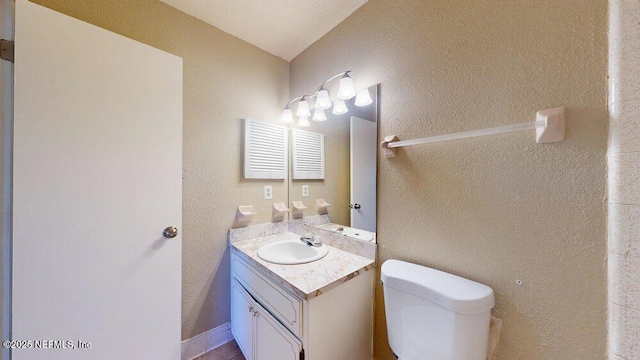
(310, 240)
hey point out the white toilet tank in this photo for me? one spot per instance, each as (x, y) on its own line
(433, 315)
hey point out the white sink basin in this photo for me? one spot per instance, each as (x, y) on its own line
(289, 252)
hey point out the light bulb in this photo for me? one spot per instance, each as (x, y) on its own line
(346, 90)
(303, 121)
(287, 116)
(322, 100)
(339, 107)
(303, 108)
(363, 98)
(318, 115)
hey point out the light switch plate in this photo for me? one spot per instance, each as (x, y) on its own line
(305, 190)
(268, 192)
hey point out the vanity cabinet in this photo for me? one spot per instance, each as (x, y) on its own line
(257, 332)
(271, 322)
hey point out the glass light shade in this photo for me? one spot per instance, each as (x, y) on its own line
(303, 121)
(346, 90)
(303, 108)
(322, 100)
(318, 115)
(363, 98)
(339, 107)
(287, 116)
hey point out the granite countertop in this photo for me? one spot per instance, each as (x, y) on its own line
(306, 280)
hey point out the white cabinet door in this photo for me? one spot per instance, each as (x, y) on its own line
(242, 315)
(274, 341)
(97, 177)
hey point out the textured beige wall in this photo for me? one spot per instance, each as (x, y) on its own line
(493, 209)
(624, 175)
(225, 79)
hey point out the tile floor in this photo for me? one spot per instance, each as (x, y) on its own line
(228, 351)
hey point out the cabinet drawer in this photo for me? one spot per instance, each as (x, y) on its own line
(284, 306)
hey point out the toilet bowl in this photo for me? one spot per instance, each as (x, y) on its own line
(433, 315)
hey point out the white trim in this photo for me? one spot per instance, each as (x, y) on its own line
(207, 341)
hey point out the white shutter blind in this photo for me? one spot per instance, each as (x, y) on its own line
(308, 154)
(265, 150)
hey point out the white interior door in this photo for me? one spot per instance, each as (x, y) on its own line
(96, 180)
(364, 138)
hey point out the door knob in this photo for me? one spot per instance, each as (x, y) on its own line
(170, 232)
(355, 206)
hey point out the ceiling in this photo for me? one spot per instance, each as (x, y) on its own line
(282, 27)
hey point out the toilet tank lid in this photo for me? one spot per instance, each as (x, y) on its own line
(449, 291)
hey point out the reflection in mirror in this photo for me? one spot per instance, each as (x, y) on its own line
(347, 193)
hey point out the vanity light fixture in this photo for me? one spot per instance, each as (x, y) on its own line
(287, 116)
(322, 102)
(339, 107)
(363, 98)
(318, 115)
(303, 121)
(322, 99)
(346, 90)
(303, 108)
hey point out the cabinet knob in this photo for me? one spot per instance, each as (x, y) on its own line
(250, 308)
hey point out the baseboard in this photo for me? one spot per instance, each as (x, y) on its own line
(207, 341)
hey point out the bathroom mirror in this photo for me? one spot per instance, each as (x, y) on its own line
(347, 193)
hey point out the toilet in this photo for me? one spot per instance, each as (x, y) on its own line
(433, 315)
